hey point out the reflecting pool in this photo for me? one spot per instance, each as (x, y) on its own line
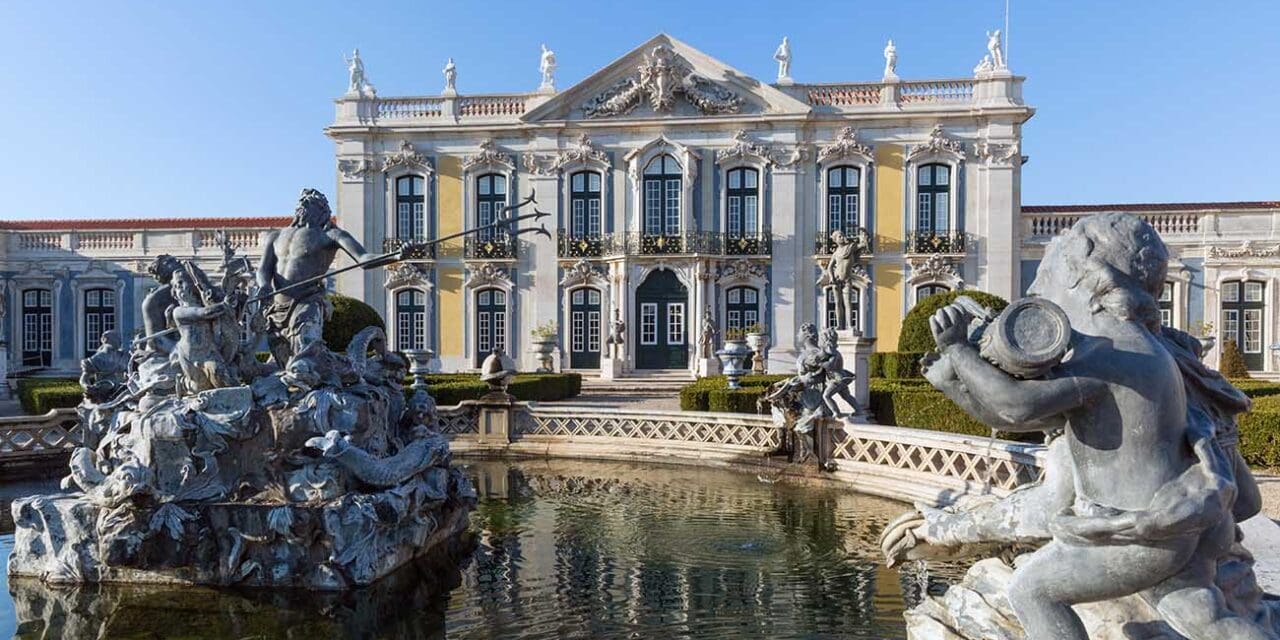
(561, 549)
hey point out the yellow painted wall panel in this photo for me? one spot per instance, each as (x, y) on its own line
(449, 204)
(888, 279)
(449, 290)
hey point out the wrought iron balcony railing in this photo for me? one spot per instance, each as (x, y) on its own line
(569, 246)
(423, 253)
(824, 245)
(689, 242)
(495, 247)
(951, 242)
(748, 244)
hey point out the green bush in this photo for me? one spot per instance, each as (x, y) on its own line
(350, 316)
(1232, 364)
(915, 404)
(452, 388)
(1260, 438)
(1257, 388)
(916, 335)
(899, 364)
(39, 395)
(696, 396)
(742, 400)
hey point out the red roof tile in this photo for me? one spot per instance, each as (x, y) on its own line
(143, 224)
(1151, 207)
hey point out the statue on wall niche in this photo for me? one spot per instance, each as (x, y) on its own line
(1124, 398)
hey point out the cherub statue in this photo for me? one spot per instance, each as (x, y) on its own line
(102, 374)
(837, 379)
(198, 352)
(1121, 401)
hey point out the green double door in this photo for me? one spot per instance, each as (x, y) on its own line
(661, 322)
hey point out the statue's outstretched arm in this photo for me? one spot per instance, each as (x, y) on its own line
(351, 246)
(267, 267)
(1020, 405)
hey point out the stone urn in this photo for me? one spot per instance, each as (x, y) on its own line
(545, 351)
(733, 359)
(759, 343)
(1206, 343)
(419, 363)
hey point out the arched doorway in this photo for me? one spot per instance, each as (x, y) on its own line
(661, 322)
(584, 328)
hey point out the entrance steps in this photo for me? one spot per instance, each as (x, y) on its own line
(647, 383)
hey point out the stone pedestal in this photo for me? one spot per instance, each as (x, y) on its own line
(610, 368)
(856, 350)
(708, 367)
(495, 418)
(4, 370)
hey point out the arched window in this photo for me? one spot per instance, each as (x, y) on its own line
(99, 316)
(1242, 308)
(926, 290)
(741, 307)
(933, 198)
(37, 328)
(491, 197)
(844, 188)
(584, 328)
(855, 309)
(1166, 305)
(742, 204)
(411, 319)
(662, 196)
(411, 218)
(584, 204)
(491, 322)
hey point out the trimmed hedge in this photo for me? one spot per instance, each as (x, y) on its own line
(39, 395)
(916, 335)
(350, 316)
(916, 404)
(896, 364)
(452, 388)
(697, 396)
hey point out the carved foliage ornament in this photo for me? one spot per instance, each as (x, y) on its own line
(407, 274)
(1247, 249)
(996, 153)
(355, 169)
(488, 155)
(741, 270)
(580, 273)
(487, 274)
(407, 156)
(934, 267)
(744, 147)
(582, 152)
(938, 144)
(846, 145)
(659, 79)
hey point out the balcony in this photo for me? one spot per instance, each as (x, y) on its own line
(823, 245)
(489, 248)
(749, 244)
(690, 242)
(569, 246)
(939, 242)
(424, 253)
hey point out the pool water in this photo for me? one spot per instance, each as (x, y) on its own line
(563, 549)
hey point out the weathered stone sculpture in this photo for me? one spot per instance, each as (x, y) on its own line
(839, 274)
(617, 335)
(547, 67)
(710, 332)
(890, 61)
(207, 467)
(783, 56)
(497, 371)
(1134, 523)
(806, 400)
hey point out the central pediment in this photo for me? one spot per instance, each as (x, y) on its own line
(665, 77)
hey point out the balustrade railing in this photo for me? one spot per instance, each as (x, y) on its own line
(824, 245)
(427, 252)
(690, 242)
(27, 437)
(106, 241)
(493, 247)
(489, 106)
(844, 95)
(748, 244)
(936, 242)
(1047, 225)
(410, 108)
(571, 246)
(39, 241)
(246, 239)
(936, 91)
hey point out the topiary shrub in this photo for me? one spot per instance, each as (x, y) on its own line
(1232, 364)
(696, 396)
(915, 404)
(916, 335)
(452, 388)
(350, 316)
(40, 395)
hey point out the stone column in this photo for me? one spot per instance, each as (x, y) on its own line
(790, 286)
(358, 208)
(540, 295)
(495, 421)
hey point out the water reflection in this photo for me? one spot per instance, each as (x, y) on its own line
(565, 549)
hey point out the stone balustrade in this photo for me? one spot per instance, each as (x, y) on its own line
(937, 91)
(411, 108)
(1043, 226)
(37, 445)
(37, 241)
(130, 243)
(491, 106)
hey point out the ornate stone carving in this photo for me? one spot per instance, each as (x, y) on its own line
(488, 155)
(358, 83)
(741, 269)
(660, 78)
(938, 144)
(407, 156)
(744, 147)
(547, 67)
(584, 151)
(996, 153)
(1247, 249)
(450, 72)
(846, 145)
(355, 169)
(538, 165)
(487, 274)
(790, 158)
(933, 267)
(407, 274)
(580, 273)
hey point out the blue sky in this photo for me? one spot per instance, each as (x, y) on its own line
(145, 109)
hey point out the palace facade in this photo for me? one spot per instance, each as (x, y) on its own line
(677, 186)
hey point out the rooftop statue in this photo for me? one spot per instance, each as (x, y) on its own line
(547, 67)
(203, 466)
(995, 50)
(358, 83)
(1126, 398)
(450, 78)
(890, 61)
(783, 56)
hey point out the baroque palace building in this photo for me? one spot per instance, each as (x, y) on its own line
(677, 187)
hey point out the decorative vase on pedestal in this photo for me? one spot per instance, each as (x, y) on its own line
(419, 361)
(1206, 343)
(545, 351)
(733, 360)
(758, 342)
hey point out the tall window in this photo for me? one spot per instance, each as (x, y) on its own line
(844, 187)
(491, 322)
(1242, 309)
(1166, 305)
(854, 309)
(584, 204)
(933, 198)
(742, 307)
(37, 328)
(411, 219)
(924, 291)
(99, 316)
(491, 197)
(411, 319)
(743, 203)
(662, 196)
